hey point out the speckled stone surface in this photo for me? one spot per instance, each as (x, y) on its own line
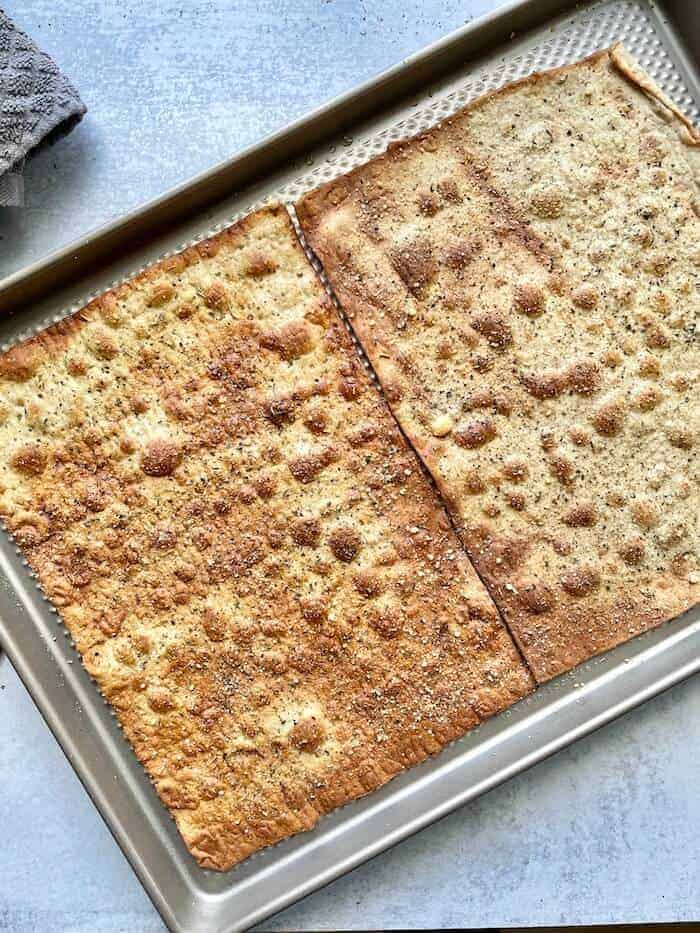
(605, 831)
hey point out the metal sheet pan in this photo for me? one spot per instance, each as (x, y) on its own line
(519, 38)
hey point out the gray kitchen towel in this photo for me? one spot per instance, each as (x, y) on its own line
(36, 103)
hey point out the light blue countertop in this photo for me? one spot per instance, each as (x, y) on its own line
(604, 832)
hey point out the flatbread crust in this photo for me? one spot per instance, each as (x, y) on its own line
(524, 280)
(247, 554)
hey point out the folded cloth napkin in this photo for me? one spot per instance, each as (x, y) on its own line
(36, 101)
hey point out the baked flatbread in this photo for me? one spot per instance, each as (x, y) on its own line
(246, 552)
(524, 279)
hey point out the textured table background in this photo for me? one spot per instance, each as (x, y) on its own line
(604, 832)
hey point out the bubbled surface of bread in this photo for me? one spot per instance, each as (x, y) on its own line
(524, 279)
(246, 553)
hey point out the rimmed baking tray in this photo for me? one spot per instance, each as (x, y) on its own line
(519, 38)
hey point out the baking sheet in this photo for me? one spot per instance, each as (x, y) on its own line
(573, 705)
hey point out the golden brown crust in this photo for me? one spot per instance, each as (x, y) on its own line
(524, 279)
(627, 66)
(248, 556)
